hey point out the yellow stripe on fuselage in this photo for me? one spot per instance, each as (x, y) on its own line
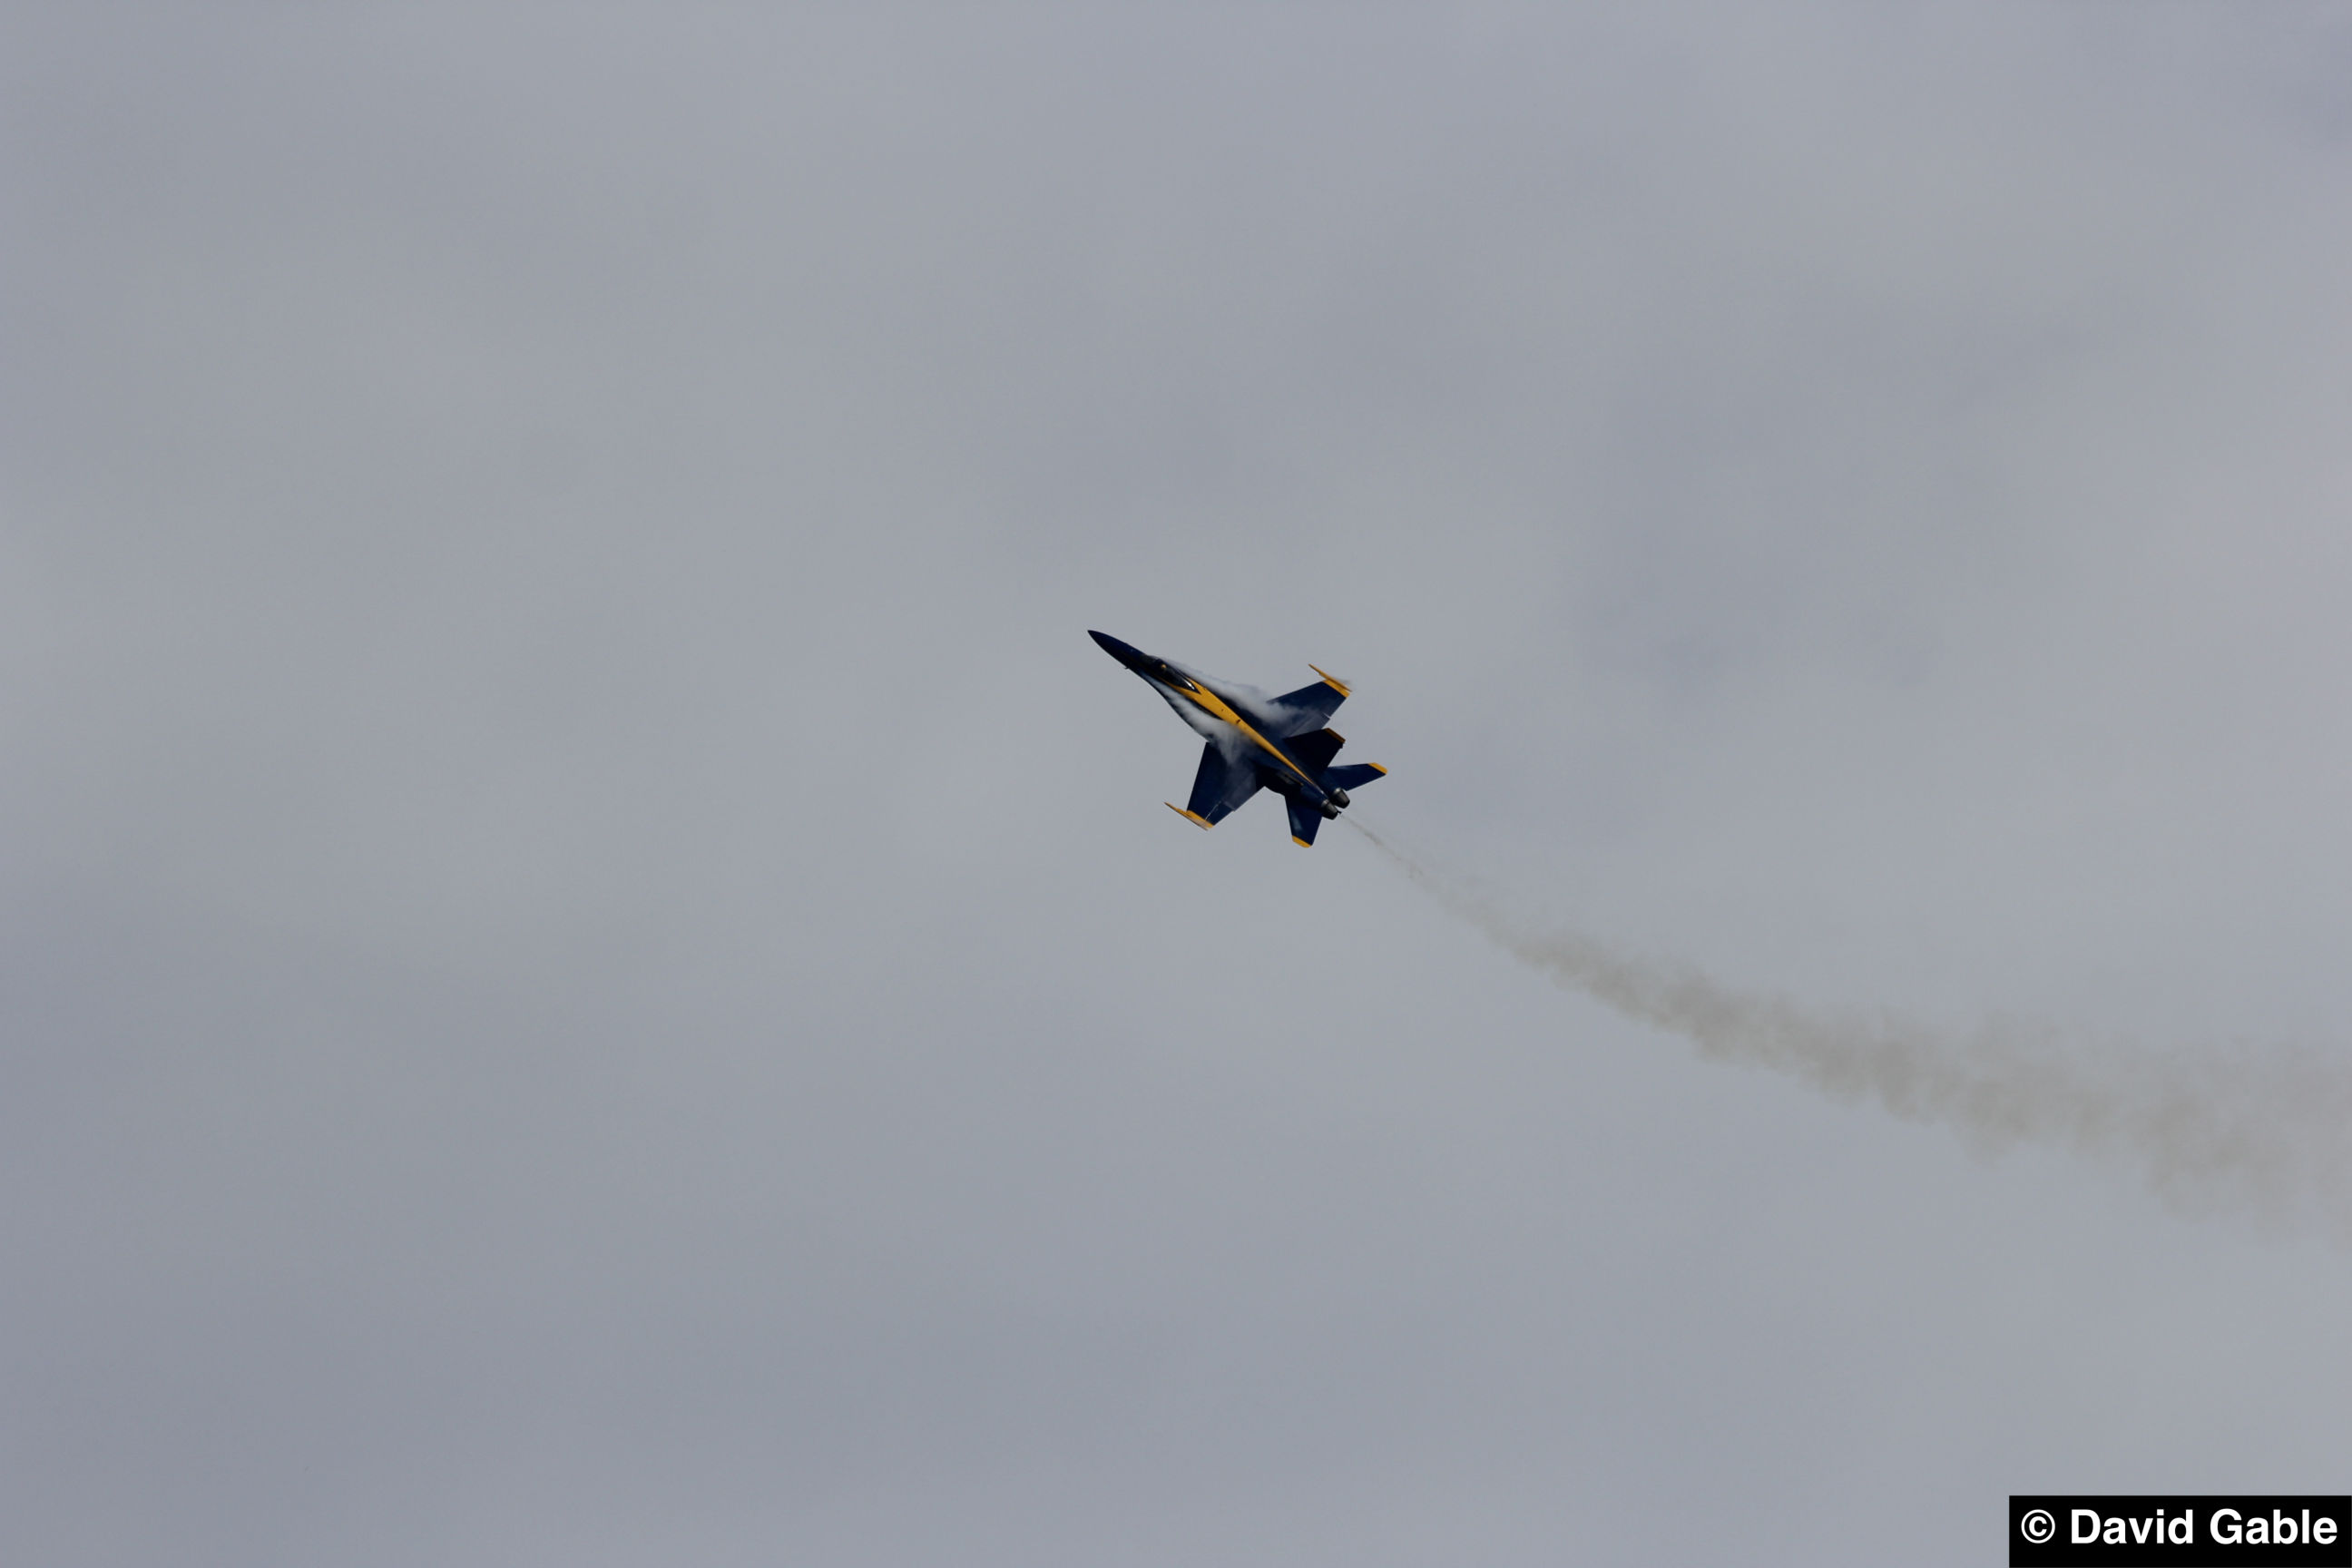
(1217, 706)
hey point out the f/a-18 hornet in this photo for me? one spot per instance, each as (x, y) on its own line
(1255, 743)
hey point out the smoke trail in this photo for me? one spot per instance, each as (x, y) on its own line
(2266, 1134)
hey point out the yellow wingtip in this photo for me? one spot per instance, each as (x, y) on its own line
(1328, 679)
(1300, 842)
(1377, 768)
(1191, 816)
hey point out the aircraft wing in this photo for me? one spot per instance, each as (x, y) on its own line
(1221, 785)
(1309, 706)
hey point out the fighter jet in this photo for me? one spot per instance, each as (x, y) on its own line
(1255, 742)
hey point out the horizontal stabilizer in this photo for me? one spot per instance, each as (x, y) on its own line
(1304, 820)
(1355, 776)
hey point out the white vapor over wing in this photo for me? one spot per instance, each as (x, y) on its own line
(2261, 1133)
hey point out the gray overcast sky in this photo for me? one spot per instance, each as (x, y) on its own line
(594, 971)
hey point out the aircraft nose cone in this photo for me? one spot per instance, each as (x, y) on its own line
(1116, 649)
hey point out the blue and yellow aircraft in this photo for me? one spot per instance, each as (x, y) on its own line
(1255, 743)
